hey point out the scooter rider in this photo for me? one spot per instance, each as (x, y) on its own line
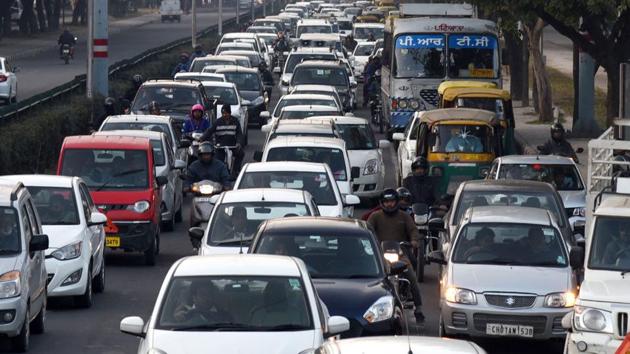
(207, 168)
(392, 224)
(419, 184)
(227, 132)
(558, 144)
(196, 122)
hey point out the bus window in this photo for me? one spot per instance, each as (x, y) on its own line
(473, 56)
(419, 55)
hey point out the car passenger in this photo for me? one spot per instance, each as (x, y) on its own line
(484, 239)
(204, 309)
(618, 246)
(57, 211)
(239, 223)
(464, 142)
(538, 250)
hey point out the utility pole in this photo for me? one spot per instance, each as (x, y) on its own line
(238, 15)
(194, 23)
(253, 10)
(220, 17)
(98, 33)
(264, 5)
(586, 125)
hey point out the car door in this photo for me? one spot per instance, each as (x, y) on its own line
(174, 182)
(38, 275)
(407, 150)
(97, 232)
(92, 234)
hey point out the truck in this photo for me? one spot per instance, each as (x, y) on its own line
(171, 10)
(600, 317)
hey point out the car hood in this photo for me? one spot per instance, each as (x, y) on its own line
(9, 263)
(233, 342)
(358, 158)
(502, 278)
(609, 287)
(349, 297)
(61, 235)
(330, 210)
(207, 250)
(250, 95)
(573, 199)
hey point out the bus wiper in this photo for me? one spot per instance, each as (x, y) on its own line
(120, 174)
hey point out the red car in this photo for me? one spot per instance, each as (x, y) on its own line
(121, 177)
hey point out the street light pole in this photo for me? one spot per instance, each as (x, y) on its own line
(194, 23)
(238, 5)
(220, 17)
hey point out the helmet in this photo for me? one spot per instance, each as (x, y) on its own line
(206, 148)
(183, 55)
(420, 162)
(124, 103)
(226, 108)
(196, 107)
(198, 47)
(389, 195)
(154, 106)
(404, 194)
(557, 128)
(137, 79)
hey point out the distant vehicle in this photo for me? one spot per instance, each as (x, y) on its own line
(360, 57)
(306, 111)
(227, 93)
(318, 90)
(319, 72)
(362, 31)
(262, 29)
(303, 100)
(298, 56)
(233, 46)
(197, 76)
(251, 88)
(199, 64)
(171, 10)
(8, 81)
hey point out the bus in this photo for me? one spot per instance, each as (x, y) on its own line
(419, 53)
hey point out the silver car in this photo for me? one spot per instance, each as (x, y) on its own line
(509, 273)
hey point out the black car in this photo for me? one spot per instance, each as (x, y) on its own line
(346, 264)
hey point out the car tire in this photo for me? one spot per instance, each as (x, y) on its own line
(21, 342)
(150, 254)
(86, 300)
(99, 281)
(38, 326)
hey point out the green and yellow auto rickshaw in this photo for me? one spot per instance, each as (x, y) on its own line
(459, 143)
(452, 84)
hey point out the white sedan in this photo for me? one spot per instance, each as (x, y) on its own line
(410, 344)
(406, 152)
(360, 57)
(74, 259)
(8, 81)
(247, 303)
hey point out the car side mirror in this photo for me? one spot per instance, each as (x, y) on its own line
(265, 115)
(284, 83)
(97, 218)
(38, 243)
(351, 199)
(579, 150)
(437, 257)
(436, 224)
(398, 136)
(383, 144)
(567, 321)
(576, 257)
(246, 102)
(353, 84)
(133, 325)
(258, 156)
(355, 172)
(196, 233)
(337, 324)
(161, 180)
(397, 268)
(185, 143)
(179, 165)
(266, 128)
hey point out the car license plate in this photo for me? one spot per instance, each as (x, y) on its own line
(203, 199)
(112, 241)
(496, 329)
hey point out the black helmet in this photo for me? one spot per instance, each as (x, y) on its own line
(557, 128)
(389, 195)
(206, 148)
(124, 103)
(137, 79)
(404, 194)
(420, 162)
(226, 108)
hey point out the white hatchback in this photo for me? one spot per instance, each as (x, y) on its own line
(74, 259)
(247, 303)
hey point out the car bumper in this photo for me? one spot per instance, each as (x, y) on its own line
(17, 306)
(5, 89)
(472, 320)
(369, 186)
(361, 328)
(134, 235)
(59, 271)
(596, 343)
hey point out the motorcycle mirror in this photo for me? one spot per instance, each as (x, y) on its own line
(185, 143)
(436, 224)
(196, 233)
(437, 257)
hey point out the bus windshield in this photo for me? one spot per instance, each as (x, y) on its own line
(473, 56)
(419, 55)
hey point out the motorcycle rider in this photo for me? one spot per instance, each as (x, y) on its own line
(197, 53)
(558, 144)
(280, 45)
(183, 65)
(66, 38)
(393, 224)
(350, 43)
(207, 168)
(197, 121)
(154, 108)
(419, 184)
(136, 82)
(109, 109)
(406, 200)
(227, 132)
(267, 78)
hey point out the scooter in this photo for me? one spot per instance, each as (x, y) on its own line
(201, 203)
(193, 149)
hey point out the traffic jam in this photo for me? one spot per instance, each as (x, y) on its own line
(327, 163)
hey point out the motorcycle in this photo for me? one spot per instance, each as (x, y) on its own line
(67, 53)
(193, 149)
(376, 110)
(423, 215)
(201, 203)
(393, 252)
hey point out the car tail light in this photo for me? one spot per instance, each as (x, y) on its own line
(3, 78)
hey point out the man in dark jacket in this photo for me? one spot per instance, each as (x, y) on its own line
(207, 168)
(558, 144)
(227, 132)
(419, 184)
(66, 38)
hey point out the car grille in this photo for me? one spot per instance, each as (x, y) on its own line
(538, 322)
(108, 207)
(429, 96)
(459, 320)
(622, 324)
(556, 326)
(510, 301)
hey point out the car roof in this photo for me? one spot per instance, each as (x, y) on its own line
(211, 84)
(309, 87)
(369, 24)
(306, 96)
(613, 205)
(135, 133)
(312, 50)
(321, 36)
(340, 119)
(198, 74)
(263, 195)
(106, 142)
(436, 115)
(222, 57)
(41, 180)
(317, 224)
(171, 83)
(282, 141)
(320, 63)
(139, 118)
(306, 107)
(282, 166)
(240, 35)
(403, 344)
(304, 127)
(508, 214)
(506, 185)
(240, 264)
(536, 159)
(313, 21)
(7, 188)
(240, 52)
(236, 68)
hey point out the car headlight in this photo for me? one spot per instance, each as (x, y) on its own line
(258, 101)
(579, 212)
(460, 296)
(592, 320)
(141, 206)
(403, 104)
(10, 284)
(560, 300)
(70, 251)
(381, 310)
(371, 167)
(206, 189)
(414, 104)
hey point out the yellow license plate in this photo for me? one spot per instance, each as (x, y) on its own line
(112, 241)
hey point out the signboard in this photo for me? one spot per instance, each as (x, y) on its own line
(472, 41)
(414, 41)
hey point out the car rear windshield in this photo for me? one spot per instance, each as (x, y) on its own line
(307, 114)
(320, 76)
(107, 169)
(244, 81)
(358, 136)
(55, 206)
(155, 127)
(326, 255)
(295, 59)
(303, 101)
(316, 183)
(199, 64)
(364, 49)
(178, 99)
(563, 177)
(331, 156)
(223, 95)
(10, 230)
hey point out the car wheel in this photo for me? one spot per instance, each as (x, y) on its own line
(168, 225)
(99, 280)
(38, 324)
(87, 299)
(21, 342)
(150, 254)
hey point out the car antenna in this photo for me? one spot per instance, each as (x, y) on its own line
(406, 325)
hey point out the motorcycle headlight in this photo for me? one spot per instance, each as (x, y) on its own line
(391, 257)
(592, 320)
(67, 252)
(403, 104)
(207, 189)
(141, 206)
(414, 104)
(579, 212)
(371, 167)
(10, 284)
(460, 296)
(557, 300)
(381, 310)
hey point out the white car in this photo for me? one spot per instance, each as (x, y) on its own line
(299, 55)
(226, 93)
(318, 90)
(297, 112)
(228, 233)
(316, 178)
(406, 152)
(233, 46)
(322, 40)
(360, 57)
(256, 304)
(303, 99)
(74, 258)
(244, 37)
(401, 344)
(199, 76)
(300, 127)
(362, 31)
(8, 81)
(200, 63)
(364, 151)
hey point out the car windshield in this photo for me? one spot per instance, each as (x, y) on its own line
(473, 56)
(316, 183)
(169, 99)
(320, 76)
(286, 102)
(419, 55)
(295, 59)
(331, 156)
(495, 197)
(510, 244)
(610, 244)
(243, 303)
(563, 177)
(326, 255)
(234, 46)
(236, 222)
(156, 127)
(363, 50)
(345, 25)
(487, 104)
(254, 58)
(244, 81)
(55, 206)
(313, 29)
(199, 64)
(223, 95)
(358, 136)
(457, 138)
(364, 32)
(107, 169)
(10, 230)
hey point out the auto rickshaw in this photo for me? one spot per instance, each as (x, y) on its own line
(491, 99)
(367, 19)
(450, 84)
(459, 143)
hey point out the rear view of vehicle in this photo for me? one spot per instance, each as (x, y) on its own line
(120, 173)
